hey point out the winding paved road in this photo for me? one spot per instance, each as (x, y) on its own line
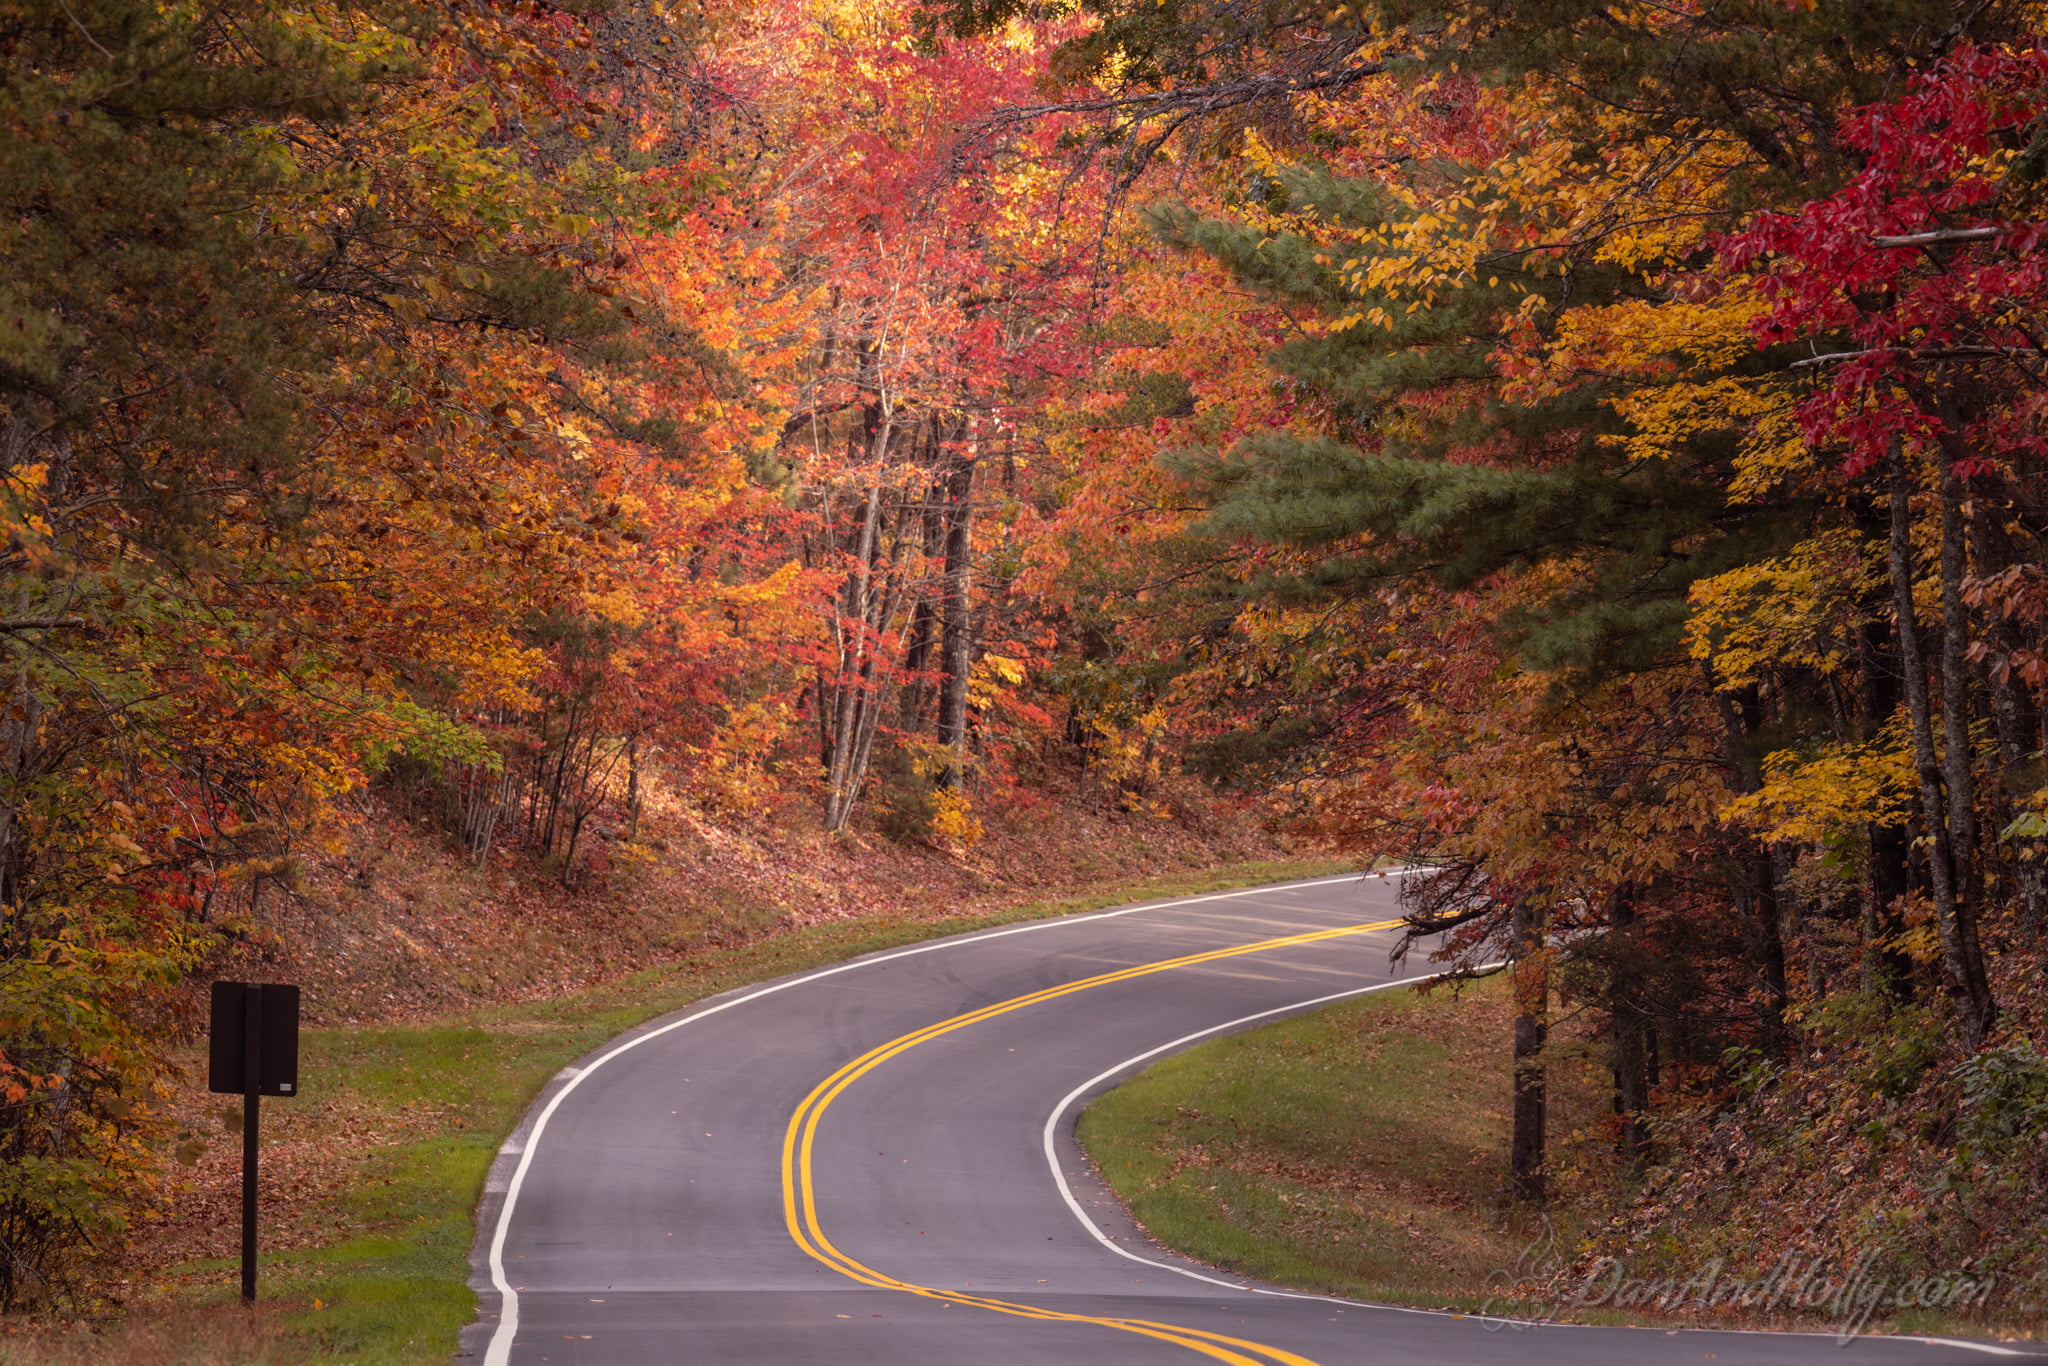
(873, 1163)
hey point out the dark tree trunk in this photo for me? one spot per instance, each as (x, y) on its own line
(1767, 946)
(1959, 753)
(917, 660)
(1958, 749)
(634, 797)
(1754, 880)
(1530, 980)
(918, 691)
(1962, 961)
(1800, 931)
(1632, 1044)
(1891, 971)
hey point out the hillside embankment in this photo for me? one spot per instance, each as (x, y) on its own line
(393, 924)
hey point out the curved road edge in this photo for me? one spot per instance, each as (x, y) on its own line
(491, 1334)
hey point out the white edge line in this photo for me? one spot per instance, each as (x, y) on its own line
(1052, 1127)
(1052, 1162)
(499, 1351)
(1965, 1343)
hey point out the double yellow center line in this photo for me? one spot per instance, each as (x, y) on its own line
(799, 1198)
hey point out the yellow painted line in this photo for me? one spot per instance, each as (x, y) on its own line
(799, 1196)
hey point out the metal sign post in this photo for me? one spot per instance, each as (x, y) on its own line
(253, 1051)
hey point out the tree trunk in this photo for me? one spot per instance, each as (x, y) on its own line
(1800, 936)
(1767, 929)
(557, 784)
(1755, 882)
(956, 642)
(633, 795)
(1959, 751)
(869, 715)
(856, 642)
(1631, 1031)
(917, 660)
(1963, 964)
(1890, 970)
(924, 618)
(1530, 978)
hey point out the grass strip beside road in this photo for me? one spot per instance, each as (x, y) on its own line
(1355, 1151)
(1360, 1150)
(441, 1096)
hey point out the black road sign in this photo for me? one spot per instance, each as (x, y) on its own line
(277, 1043)
(253, 1051)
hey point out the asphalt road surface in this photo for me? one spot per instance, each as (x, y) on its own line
(874, 1163)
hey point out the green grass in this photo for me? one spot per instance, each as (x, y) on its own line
(1357, 1150)
(398, 1294)
(1361, 1150)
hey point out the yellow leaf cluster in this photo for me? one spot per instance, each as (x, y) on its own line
(1832, 791)
(1791, 612)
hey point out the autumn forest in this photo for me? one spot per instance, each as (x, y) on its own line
(1597, 452)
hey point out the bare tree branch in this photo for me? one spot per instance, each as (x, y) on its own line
(43, 623)
(1938, 236)
(1918, 353)
(1179, 106)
